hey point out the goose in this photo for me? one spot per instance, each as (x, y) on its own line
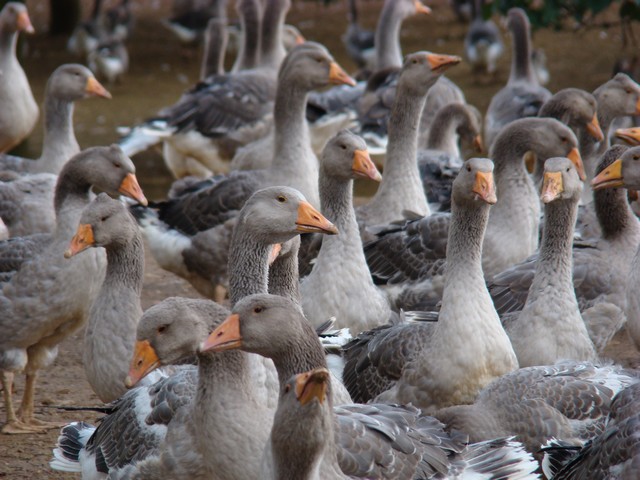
(600, 270)
(189, 231)
(86, 35)
(567, 401)
(612, 454)
(110, 60)
(111, 328)
(19, 108)
(49, 297)
(522, 96)
(409, 257)
(419, 72)
(549, 327)
(417, 375)
(271, 215)
(296, 349)
(241, 101)
(483, 44)
(340, 275)
(623, 172)
(248, 57)
(26, 202)
(358, 42)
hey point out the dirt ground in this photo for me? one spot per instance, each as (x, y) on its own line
(586, 61)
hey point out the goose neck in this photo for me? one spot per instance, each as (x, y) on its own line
(613, 212)
(336, 201)
(443, 134)
(521, 68)
(125, 265)
(284, 275)
(249, 54)
(59, 142)
(248, 265)
(387, 37)
(273, 51)
(72, 185)
(8, 42)
(464, 244)
(291, 129)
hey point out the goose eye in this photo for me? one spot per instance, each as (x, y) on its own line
(628, 90)
(162, 328)
(104, 219)
(468, 168)
(568, 168)
(287, 388)
(414, 61)
(117, 164)
(258, 309)
(282, 198)
(636, 157)
(564, 139)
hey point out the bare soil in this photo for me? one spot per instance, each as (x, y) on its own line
(160, 71)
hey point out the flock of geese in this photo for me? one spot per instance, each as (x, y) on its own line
(480, 294)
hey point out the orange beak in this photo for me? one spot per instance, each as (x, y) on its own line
(23, 23)
(94, 87)
(593, 127)
(131, 188)
(610, 177)
(477, 143)
(338, 76)
(552, 186)
(576, 159)
(364, 167)
(629, 135)
(313, 384)
(82, 240)
(485, 187)
(637, 106)
(439, 62)
(145, 360)
(420, 8)
(225, 337)
(300, 39)
(311, 220)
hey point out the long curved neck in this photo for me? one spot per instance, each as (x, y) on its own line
(125, 265)
(273, 51)
(73, 185)
(248, 265)
(249, 54)
(613, 212)
(443, 133)
(387, 38)
(59, 143)
(8, 42)
(284, 274)
(464, 245)
(214, 51)
(521, 68)
(555, 264)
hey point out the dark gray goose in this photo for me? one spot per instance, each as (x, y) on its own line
(600, 269)
(19, 109)
(265, 219)
(252, 328)
(26, 202)
(406, 362)
(409, 256)
(189, 235)
(49, 297)
(522, 96)
(483, 44)
(550, 328)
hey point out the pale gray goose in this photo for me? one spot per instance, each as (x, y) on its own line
(522, 96)
(265, 219)
(455, 126)
(340, 284)
(189, 235)
(111, 328)
(226, 111)
(424, 363)
(614, 453)
(26, 202)
(568, 401)
(19, 111)
(409, 256)
(401, 188)
(550, 328)
(49, 297)
(295, 348)
(600, 269)
(250, 15)
(483, 44)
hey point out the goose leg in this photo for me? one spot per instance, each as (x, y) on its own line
(13, 425)
(26, 408)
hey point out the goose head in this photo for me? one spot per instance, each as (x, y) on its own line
(345, 156)
(169, 333)
(629, 135)
(624, 171)
(561, 181)
(312, 67)
(14, 17)
(575, 108)
(407, 8)
(421, 70)
(72, 82)
(105, 222)
(475, 183)
(276, 214)
(252, 324)
(620, 95)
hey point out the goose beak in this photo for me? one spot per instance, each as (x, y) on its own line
(440, 63)
(637, 106)
(485, 187)
(311, 220)
(364, 167)
(477, 143)
(145, 360)
(552, 186)
(94, 87)
(593, 127)
(23, 23)
(629, 135)
(576, 159)
(610, 177)
(300, 39)
(421, 8)
(225, 337)
(313, 384)
(131, 188)
(338, 76)
(82, 240)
